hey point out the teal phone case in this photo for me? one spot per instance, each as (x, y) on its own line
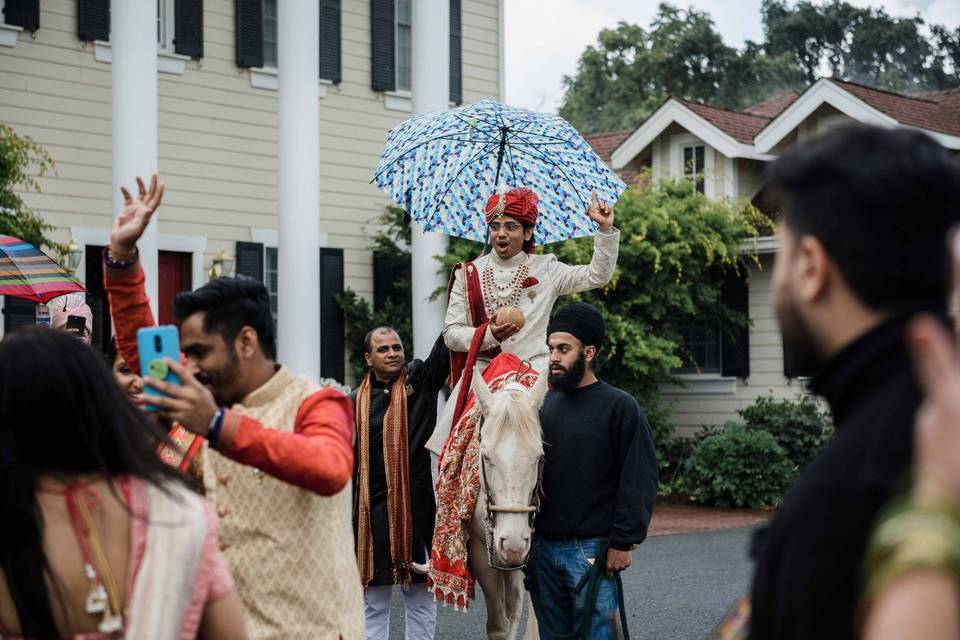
(155, 344)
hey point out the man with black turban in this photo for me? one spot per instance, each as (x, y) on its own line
(599, 480)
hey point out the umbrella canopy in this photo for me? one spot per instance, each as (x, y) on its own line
(442, 167)
(27, 272)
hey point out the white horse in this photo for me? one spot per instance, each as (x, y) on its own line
(500, 531)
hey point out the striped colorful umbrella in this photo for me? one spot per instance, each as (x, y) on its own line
(27, 272)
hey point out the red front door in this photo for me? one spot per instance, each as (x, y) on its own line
(174, 277)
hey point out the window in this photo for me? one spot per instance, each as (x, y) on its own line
(166, 24)
(270, 33)
(270, 279)
(703, 347)
(693, 165)
(404, 61)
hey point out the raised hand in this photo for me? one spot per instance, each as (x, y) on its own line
(937, 430)
(601, 213)
(136, 214)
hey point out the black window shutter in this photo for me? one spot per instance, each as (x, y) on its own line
(792, 368)
(383, 279)
(188, 36)
(93, 20)
(332, 325)
(736, 345)
(249, 33)
(382, 38)
(17, 313)
(456, 53)
(22, 13)
(249, 260)
(330, 40)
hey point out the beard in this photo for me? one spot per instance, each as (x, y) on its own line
(222, 383)
(571, 377)
(798, 337)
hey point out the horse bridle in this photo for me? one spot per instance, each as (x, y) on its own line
(489, 521)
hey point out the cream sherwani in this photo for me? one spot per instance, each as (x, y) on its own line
(554, 279)
(290, 550)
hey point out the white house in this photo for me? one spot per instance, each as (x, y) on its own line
(218, 142)
(725, 153)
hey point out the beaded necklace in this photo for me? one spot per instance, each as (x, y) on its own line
(493, 292)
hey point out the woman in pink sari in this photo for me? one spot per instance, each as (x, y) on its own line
(99, 538)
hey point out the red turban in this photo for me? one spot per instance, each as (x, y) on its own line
(520, 204)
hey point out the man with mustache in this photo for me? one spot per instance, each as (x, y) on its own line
(511, 275)
(862, 235)
(599, 431)
(396, 410)
(279, 455)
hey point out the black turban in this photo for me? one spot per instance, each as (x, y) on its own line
(583, 321)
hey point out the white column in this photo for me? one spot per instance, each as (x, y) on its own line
(298, 141)
(133, 38)
(430, 86)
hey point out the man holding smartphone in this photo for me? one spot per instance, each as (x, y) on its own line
(280, 452)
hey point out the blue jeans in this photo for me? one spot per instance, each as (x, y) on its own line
(553, 571)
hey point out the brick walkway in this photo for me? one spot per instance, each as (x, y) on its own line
(670, 518)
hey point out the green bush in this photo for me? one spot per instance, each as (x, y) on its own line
(737, 467)
(799, 426)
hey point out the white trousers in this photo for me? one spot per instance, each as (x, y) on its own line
(419, 606)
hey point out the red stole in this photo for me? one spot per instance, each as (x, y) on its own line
(462, 364)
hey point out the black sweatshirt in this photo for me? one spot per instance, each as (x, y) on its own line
(809, 575)
(600, 468)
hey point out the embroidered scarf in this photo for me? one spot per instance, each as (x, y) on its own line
(458, 486)
(396, 461)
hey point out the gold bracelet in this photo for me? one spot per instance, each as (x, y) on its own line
(911, 537)
(121, 257)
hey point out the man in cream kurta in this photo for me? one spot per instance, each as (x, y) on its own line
(511, 276)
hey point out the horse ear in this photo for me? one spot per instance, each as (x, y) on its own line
(539, 391)
(482, 391)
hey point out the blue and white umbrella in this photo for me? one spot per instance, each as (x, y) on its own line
(442, 167)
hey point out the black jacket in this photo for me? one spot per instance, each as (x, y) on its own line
(427, 377)
(809, 560)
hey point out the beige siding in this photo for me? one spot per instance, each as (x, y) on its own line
(217, 134)
(749, 177)
(692, 411)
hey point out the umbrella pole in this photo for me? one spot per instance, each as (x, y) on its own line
(496, 180)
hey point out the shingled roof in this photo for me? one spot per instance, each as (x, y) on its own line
(738, 125)
(772, 107)
(606, 143)
(938, 111)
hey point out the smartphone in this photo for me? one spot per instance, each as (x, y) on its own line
(77, 324)
(155, 344)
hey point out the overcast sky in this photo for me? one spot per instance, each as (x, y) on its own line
(545, 38)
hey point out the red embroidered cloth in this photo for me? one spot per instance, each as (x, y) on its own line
(458, 485)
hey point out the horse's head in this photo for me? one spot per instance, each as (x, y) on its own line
(511, 447)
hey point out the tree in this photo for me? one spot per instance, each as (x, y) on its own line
(677, 247)
(864, 45)
(22, 162)
(631, 71)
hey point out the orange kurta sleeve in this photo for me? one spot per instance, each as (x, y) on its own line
(317, 456)
(129, 307)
